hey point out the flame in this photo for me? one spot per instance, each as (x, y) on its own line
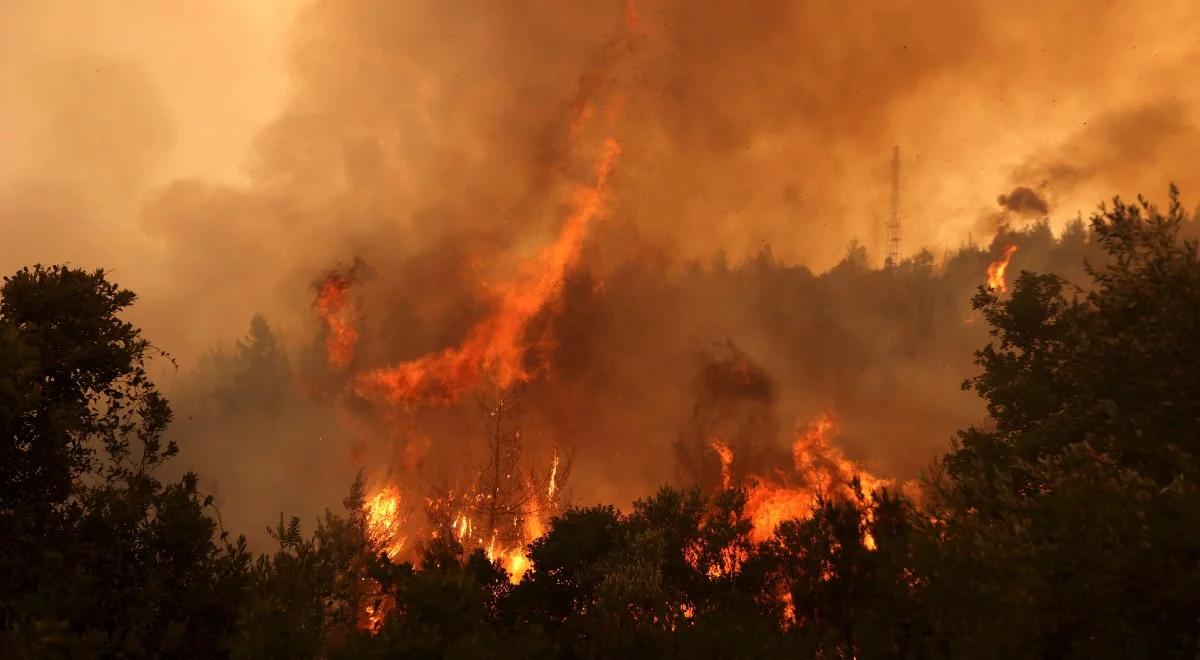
(517, 565)
(789, 609)
(534, 529)
(869, 541)
(821, 469)
(384, 529)
(337, 314)
(514, 560)
(726, 455)
(996, 269)
(463, 527)
(496, 346)
(496, 351)
(553, 487)
(385, 521)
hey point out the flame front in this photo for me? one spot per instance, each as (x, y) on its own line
(996, 270)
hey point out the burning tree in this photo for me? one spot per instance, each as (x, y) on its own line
(508, 499)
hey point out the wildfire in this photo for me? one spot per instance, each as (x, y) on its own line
(385, 534)
(385, 521)
(337, 314)
(553, 487)
(996, 269)
(462, 527)
(471, 506)
(513, 560)
(789, 609)
(821, 469)
(726, 455)
(496, 346)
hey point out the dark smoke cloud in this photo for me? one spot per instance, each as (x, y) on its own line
(1023, 200)
(1130, 150)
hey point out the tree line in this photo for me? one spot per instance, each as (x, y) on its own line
(1066, 526)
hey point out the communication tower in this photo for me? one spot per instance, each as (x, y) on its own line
(893, 225)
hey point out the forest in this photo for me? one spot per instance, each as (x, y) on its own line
(1065, 525)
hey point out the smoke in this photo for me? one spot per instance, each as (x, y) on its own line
(1024, 201)
(439, 143)
(1122, 149)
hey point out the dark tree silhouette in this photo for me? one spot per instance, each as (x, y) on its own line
(97, 551)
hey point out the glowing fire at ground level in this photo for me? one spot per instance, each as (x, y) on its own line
(820, 470)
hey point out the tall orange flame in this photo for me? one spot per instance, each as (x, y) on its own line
(726, 455)
(996, 270)
(337, 314)
(385, 521)
(553, 486)
(496, 347)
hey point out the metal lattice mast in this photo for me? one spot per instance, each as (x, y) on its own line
(893, 225)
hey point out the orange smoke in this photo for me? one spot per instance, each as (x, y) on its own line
(337, 314)
(821, 470)
(632, 21)
(996, 269)
(496, 347)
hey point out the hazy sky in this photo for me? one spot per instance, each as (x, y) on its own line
(221, 154)
(216, 70)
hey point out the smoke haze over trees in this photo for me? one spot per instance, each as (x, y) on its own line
(439, 150)
(1065, 525)
(633, 367)
(512, 268)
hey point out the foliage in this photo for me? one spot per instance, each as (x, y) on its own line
(306, 598)
(1077, 515)
(97, 551)
(1067, 526)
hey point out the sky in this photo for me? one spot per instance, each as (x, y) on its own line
(744, 124)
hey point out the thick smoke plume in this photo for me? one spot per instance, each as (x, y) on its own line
(1024, 201)
(439, 144)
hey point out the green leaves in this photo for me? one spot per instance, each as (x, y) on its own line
(94, 543)
(1074, 518)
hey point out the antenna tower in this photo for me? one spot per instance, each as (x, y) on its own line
(893, 225)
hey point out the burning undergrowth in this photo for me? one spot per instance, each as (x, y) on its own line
(733, 442)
